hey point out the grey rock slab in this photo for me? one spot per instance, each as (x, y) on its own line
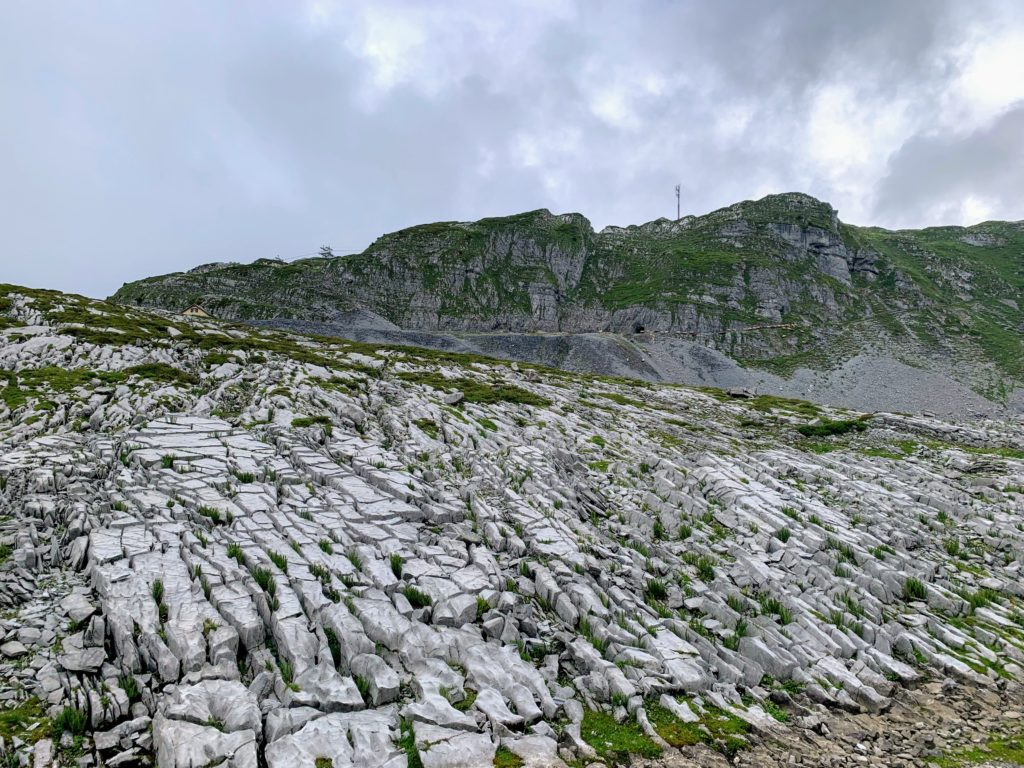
(42, 754)
(776, 662)
(129, 757)
(322, 686)
(326, 736)
(491, 704)
(370, 734)
(86, 660)
(77, 607)
(13, 649)
(525, 705)
(108, 740)
(535, 751)
(95, 633)
(446, 748)
(455, 611)
(180, 744)
(285, 720)
(29, 635)
(382, 681)
(48, 678)
(295, 642)
(434, 709)
(682, 711)
(226, 701)
(236, 606)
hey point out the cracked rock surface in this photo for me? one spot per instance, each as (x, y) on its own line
(223, 547)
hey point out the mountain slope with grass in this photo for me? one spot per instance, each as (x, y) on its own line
(222, 545)
(778, 286)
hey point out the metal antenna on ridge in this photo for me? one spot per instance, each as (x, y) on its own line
(677, 202)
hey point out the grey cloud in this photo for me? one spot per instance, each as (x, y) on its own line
(145, 138)
(936, 173)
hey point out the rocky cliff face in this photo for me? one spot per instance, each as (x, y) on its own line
(779, 283)
(228, 547)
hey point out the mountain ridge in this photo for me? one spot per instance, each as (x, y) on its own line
(779, 284)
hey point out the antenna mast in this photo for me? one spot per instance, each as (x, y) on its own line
(677, 202)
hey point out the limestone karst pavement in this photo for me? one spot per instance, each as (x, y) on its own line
(227, 547)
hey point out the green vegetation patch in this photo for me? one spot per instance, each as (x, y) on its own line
(70, 720)
(883, 453)
(914, 589)
(720, 730)
(1003, 452)
(19, 721)
(310, 421)
(428, 427)
(474, 391)
(506, 758)
(829, 427)
(1008, 750)
(615, 397)
(37, 382)
(614, 741)
(218, 358)
(672, 729)
(768, 403)
(162, 372)
(417, 598)
(407, 742)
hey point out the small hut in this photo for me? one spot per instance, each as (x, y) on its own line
(195, 311)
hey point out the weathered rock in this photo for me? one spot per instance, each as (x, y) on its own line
(85, 660)
(445, 748)
(180, 744)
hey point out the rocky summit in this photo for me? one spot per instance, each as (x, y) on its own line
(777, 295)
(225, 546)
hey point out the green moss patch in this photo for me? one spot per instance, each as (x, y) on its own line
(614, 741)
(720, 730)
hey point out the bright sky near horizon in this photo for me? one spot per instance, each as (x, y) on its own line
(145, 138)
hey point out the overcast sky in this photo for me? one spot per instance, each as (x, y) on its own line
(140, 138)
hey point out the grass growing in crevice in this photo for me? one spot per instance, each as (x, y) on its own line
(397, 563)
(428, 427)
(914, 590)
(279, 560)
(407, 742)
(417, 598)
(70, 720)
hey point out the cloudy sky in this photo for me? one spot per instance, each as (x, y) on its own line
(139, 138)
